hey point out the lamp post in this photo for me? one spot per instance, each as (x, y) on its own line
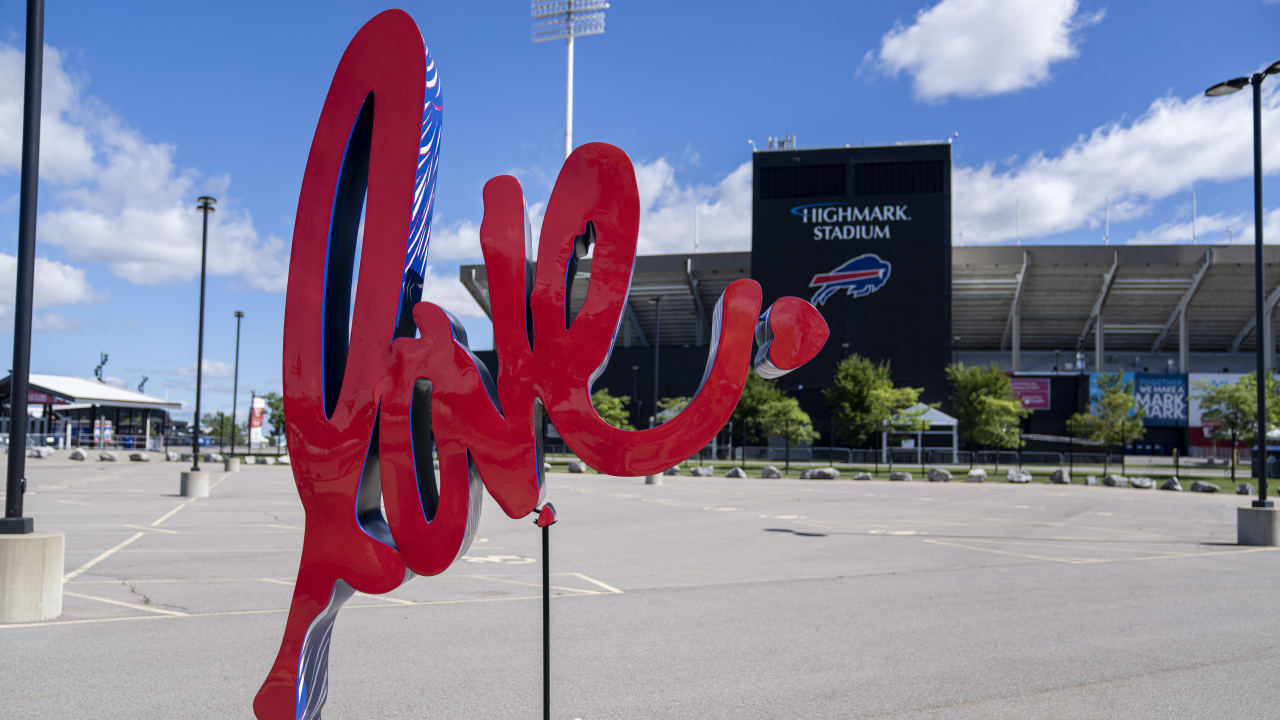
(235, 385)
(657, 342)
(14, 523)
(205, 207)
(561, 20)
(1226, 88)
(635, 391)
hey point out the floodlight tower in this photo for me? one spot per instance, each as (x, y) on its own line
(567, 19)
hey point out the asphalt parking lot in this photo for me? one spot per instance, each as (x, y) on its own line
(701, 598)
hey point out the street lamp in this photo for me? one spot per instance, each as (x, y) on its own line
(565, 20)
(235, 384)
(635, 390)
(14, 522)
(205, 207)
(657, 342)
(1226, 88)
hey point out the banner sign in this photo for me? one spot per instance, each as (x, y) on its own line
(1163, 398)
(1195, 392)
(36, 397)
(1034, 392)
(371, 387)
(256, 412)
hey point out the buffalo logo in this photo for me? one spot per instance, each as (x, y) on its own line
(860, 276)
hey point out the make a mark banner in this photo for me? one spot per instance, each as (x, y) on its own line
(1163, 398)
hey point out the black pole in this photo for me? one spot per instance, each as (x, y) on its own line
(205, 207)
(546, 622)
(235, 386)
(657, 342)
(14, 523)
(1258, 280)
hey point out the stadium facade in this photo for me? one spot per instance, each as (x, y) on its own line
(865, 234)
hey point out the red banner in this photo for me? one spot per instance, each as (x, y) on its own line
(1034, 392)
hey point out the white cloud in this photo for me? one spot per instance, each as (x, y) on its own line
(56, 284)
(448, 293)
(212, 369)
(1173, 145)
(973, 48)
(667, 210)
(65, 151)
(121, 200)
(459, 240)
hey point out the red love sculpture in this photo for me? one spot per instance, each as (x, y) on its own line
(365, 412)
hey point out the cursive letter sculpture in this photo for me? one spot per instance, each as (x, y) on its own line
(365, 412)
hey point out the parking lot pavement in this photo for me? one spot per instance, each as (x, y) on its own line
(700, 598)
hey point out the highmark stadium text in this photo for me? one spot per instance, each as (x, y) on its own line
(826, 219)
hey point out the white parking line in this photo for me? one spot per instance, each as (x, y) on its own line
(78, 571)
(135, 606)
(155, 529)
(606, 586)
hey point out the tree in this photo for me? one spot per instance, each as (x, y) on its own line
(611, 409)
(757, 394)
(865, 402)
(1231, 411)
(275, 416)
(986, 407)
(1114, 417)
(783, 416)
(669, 407)
(221, 427)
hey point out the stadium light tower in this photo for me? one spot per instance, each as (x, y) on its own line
(567, 19)
(1226, 88)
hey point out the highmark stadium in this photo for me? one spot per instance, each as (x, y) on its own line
(865, 233)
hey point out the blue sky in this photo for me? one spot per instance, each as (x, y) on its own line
(1058, 105)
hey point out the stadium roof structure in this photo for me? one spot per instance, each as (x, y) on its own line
(1143, 298)
(68, 392)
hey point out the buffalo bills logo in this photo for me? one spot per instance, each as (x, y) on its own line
(860, 276)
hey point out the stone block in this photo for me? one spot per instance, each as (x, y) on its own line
(976, 475)
(1018, 476)
(770, 472)
(577, 466)
(939, 475)
(736, 472)
(1060, 477)
(1203, 487)
(107, 456)
(78, 454)
(1171, 484)
(862, 476)
(900, 476)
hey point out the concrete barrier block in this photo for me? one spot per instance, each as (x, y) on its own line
(31, 577)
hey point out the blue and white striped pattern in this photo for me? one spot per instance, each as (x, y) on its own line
(424, 184)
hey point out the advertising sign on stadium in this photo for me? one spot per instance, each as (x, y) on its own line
(1163, 398)
(1198, 381)
(1033, 392)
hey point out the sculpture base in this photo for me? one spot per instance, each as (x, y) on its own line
(1258, 526)
(30, 577)
(194, 484)
(231, 464)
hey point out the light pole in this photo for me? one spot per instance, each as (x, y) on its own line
(205, 207)
(657, 342)
(235, 385)
(635, 390)
(14, 523)
(1226, 88)
(565, 20)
